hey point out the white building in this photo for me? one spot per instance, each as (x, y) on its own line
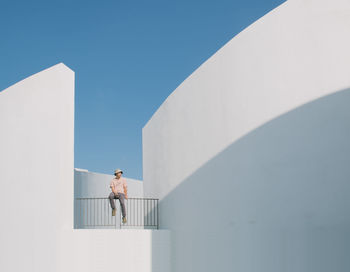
(37, 177)
(248, 156)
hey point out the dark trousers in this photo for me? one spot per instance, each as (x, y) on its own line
(121, 198)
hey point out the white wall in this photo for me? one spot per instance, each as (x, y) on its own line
(90, 184)
(293, 55)
(115, 250)
(36, 169)
(249, 155)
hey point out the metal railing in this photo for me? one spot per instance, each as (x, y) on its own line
(96, 212)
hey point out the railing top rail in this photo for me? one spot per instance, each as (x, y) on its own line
(146, 198)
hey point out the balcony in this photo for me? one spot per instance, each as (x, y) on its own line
(96, 213)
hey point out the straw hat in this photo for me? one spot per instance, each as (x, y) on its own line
(117, 171)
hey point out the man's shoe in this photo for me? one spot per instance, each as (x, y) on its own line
(124, 220)
(113, 212)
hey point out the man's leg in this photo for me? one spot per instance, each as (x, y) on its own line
(122, 204)
(111, 200)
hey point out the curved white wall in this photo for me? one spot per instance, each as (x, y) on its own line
(249, 155)
(36, 169)
(293, 55)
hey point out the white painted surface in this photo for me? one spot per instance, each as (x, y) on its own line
(36, 169)
(251, 167)
(115, 250)
(293, 55)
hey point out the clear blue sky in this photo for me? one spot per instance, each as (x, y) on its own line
(128, 56)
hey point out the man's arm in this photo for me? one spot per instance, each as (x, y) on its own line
(126, 190)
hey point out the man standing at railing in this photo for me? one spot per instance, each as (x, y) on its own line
(119, 191)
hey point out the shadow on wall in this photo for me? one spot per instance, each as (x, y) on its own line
(276, 200)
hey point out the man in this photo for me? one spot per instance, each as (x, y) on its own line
(119, 191)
